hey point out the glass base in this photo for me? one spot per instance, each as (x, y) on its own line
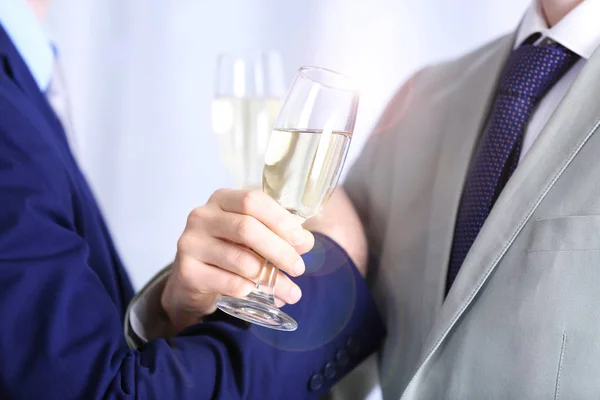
(259, 309)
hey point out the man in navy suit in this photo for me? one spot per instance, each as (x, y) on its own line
(64, 293)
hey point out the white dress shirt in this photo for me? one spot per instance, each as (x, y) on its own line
(27, 34)
(578, 31)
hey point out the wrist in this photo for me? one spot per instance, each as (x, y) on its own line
(183, 309)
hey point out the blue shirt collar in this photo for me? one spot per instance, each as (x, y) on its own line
(28, 36)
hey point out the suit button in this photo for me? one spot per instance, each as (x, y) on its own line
(330, 370)
(353, 346)
(342, 358)
(316, 382)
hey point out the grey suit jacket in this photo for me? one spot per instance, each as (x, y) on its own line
(522, 320)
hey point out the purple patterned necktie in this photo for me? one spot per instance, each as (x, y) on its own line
(530, 72)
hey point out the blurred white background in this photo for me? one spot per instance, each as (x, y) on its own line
(140, 74)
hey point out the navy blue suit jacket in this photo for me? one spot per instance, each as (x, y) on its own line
(64, 292)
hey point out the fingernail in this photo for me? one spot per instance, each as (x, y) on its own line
(279, 303)
(295, 293)
(298, 237)
(299, 267)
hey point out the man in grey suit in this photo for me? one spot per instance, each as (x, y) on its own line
(478, 200)
(480, 197)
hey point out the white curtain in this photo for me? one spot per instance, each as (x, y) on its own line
(140, 75)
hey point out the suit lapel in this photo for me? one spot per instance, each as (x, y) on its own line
(462, 130)
(575, 120)
(27, 95)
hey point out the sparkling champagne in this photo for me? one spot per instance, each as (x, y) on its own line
(302, 168)
(243, 126)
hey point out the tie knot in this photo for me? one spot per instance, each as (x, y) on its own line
(532, 70)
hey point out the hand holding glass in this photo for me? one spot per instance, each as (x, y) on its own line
(303, 162)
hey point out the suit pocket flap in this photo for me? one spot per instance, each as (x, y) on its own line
(577, 233)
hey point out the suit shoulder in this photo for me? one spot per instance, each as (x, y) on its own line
(435, 81)
(443, 74)
(28, 151)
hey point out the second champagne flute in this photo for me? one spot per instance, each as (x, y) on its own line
(303, 163)
(248, 93)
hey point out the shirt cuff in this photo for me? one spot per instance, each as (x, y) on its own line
(145, 318)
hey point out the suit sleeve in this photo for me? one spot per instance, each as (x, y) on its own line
(61, 335)
(369, 184)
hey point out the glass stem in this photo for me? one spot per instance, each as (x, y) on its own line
(266, 280)
(265, 285)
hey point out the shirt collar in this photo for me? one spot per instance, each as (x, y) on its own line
(533, 22)
(579, 30)
(27, 34)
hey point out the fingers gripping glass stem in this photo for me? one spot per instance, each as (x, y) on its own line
(303, 162)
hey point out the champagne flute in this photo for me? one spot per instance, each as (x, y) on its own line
(303, 163)
(248, 92)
